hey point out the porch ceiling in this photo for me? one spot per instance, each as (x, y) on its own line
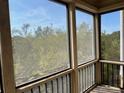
(103, 3)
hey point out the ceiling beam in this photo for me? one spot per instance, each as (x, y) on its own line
(86, 6)
(91, 8)
(111, 7)
(81, 4)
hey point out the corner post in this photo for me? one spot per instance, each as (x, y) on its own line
(121, 46)
(6, 49)
(97, 23)
(73, 39)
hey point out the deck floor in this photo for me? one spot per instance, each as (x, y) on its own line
(106, 89)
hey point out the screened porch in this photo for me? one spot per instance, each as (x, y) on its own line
(62, 46)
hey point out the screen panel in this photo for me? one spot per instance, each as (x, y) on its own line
(110, 36)
(39, 37)
(85, 37)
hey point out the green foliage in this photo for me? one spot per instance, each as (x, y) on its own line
(39, 52)
(110, 50)
(85, 43)
(110, 46)
(44, 50)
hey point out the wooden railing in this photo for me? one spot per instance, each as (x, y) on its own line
(111, 72)
(62, 82)
(86, 77)
(52, 84)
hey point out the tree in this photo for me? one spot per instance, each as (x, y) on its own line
(110, 46)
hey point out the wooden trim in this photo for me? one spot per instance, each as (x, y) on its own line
(73, 39)
(112, 62)
(111, 7)
(38, 83)
(82, 5)
(98, 73)
(98, 64)
(91, 88)
(97, 30)
(6, 49)
(66, 1)
(88, 7)
(88, 63)
(93, 9)
(121, 46)
(122, 35)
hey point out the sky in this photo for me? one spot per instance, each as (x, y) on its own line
(84, 17)
(46, 13)
(110, 22)
(37, 13)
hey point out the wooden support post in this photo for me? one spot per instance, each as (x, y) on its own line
(74, 63)
(6, 49)
(121, 45)
(98, 64)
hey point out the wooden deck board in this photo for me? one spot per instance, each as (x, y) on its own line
(106, 89)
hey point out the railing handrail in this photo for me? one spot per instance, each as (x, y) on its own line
(35, 84)
(112, 62)
(38, 83)
(88, 63)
